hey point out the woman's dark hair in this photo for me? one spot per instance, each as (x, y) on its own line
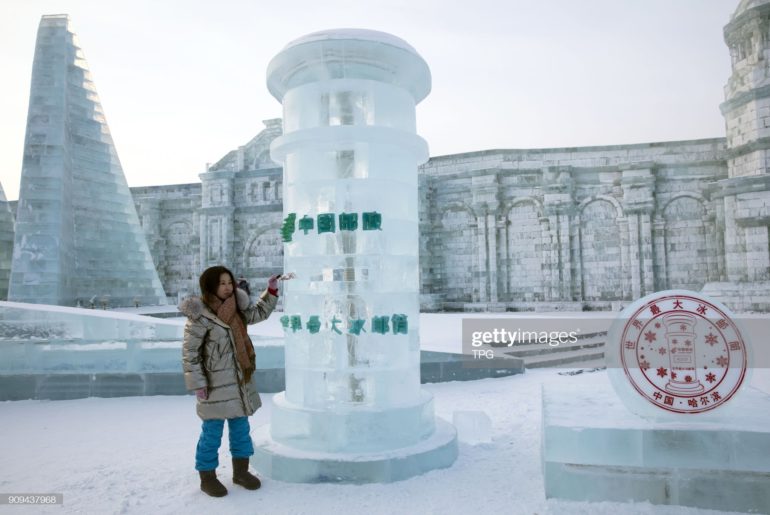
(209, 283)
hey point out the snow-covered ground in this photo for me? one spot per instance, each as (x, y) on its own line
(136, 454)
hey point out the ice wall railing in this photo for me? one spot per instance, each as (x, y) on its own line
(36, 339)
(45, 339)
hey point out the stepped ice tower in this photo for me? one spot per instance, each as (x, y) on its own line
(353, 409)
(77, 231)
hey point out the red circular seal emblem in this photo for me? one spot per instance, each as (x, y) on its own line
(682, 353)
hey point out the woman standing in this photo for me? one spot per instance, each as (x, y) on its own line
(218, 362)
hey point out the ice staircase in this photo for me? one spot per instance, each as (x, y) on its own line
(587, 351)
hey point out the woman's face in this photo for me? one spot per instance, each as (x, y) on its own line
(225, 288)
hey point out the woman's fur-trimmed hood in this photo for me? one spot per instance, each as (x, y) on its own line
(193, 307)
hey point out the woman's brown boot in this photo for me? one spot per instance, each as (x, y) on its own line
(211, 485)
(242, 476)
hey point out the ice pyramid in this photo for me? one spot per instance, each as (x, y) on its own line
(78, 236)
(6, 243)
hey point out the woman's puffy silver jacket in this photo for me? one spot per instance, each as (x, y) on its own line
(208, 357)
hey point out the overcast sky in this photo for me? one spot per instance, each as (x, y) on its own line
(182, 82)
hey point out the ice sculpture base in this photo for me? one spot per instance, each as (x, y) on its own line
(284, 463)
(594, 449)
(353, 429)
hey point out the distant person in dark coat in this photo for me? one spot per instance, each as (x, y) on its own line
(243, 284)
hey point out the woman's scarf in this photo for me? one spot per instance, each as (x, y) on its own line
(227, 311)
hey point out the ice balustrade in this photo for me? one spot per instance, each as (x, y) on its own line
(43, 339)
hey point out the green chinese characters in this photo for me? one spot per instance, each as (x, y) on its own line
(328, 223)
(382, 324)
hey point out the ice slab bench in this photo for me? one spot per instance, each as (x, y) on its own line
(594, 449)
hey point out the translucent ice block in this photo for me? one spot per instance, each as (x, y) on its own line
(595, 449)
(473, 427)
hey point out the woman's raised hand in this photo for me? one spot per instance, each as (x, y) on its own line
(272, 283)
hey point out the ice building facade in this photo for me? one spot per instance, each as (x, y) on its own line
(77, 233)
(569, 228)
(558, 228)
(516, 229)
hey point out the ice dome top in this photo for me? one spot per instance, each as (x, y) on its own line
(357, 34)
(349, 54)
(746, 5)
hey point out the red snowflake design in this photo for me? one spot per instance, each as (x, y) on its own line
(650, 336)
(644, 365)
(662, 351)
(722, 361)
(673, 375)
(711, 339)
(710, 377)
(662, 372)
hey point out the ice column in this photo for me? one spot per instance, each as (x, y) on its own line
(350, 154)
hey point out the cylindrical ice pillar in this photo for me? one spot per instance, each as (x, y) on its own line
(350, 154)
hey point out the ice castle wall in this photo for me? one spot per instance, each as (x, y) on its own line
(561, 228)
(500, 229)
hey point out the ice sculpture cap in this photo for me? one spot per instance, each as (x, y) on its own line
(349, 54)
(359, 34)
(55, 20)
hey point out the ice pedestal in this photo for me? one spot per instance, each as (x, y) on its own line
(287, 463)
(357, 444)
(594, 449)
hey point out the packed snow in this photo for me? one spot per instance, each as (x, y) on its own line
(136, 454)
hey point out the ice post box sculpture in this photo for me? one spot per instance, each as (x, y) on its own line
(353, 409)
